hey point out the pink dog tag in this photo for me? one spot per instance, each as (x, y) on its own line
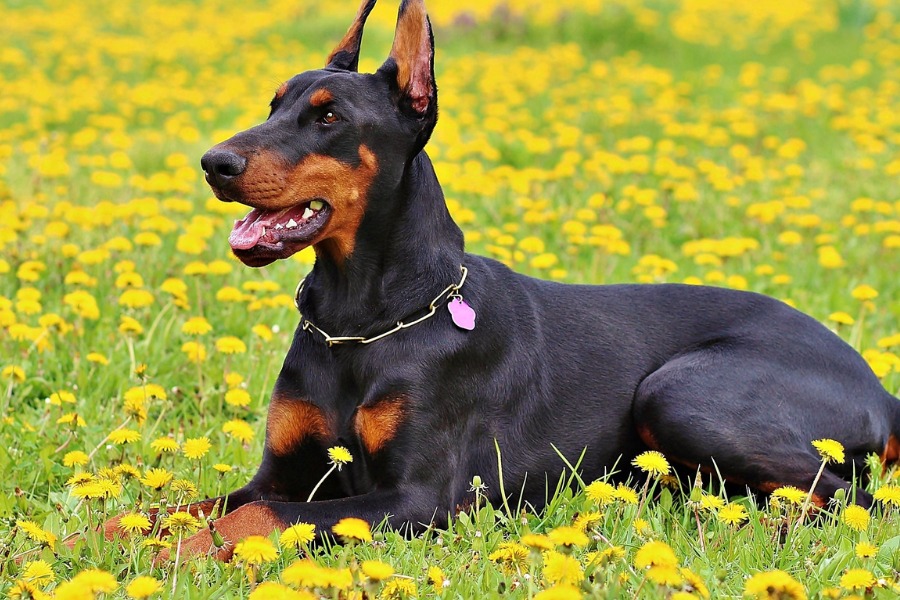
(462, 314)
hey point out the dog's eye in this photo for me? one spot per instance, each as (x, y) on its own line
(329, 118)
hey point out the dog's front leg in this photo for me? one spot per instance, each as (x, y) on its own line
(412, 508)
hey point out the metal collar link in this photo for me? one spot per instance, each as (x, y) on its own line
(450, 291)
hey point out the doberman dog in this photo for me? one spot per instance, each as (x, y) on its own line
(715, 379)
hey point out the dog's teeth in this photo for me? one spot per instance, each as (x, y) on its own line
(307, 214)
(279, 226)
(316, 204)
(291, 224)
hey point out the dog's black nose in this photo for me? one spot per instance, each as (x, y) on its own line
(222, 165)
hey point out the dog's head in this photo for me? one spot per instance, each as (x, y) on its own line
(332, 134)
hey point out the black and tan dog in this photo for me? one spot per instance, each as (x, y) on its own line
(712, 378)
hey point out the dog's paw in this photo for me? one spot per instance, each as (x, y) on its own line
(251, 519)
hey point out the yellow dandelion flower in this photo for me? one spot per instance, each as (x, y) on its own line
(232, 379)
(143, 587)
(641, 526)
(72, 418)
(38, 572)
(626, 494)
(36, 533)
(856, 517)
(652, 462)
(866, 550)
(136, 298)
(512, 556)
(96, 357)
(437, 579)
(856, 579)
(537, 541)
(665, 575)
(339, 579)
(655, 554)
(196, 326)
(255, 550)
(338, 455)
(237, 397)
(75, 458)
(88, 491)
(130, 326)
(80, 478)
(732, 514)
(95, 580)
(841, 318)
(135, 523)
(185, 488)
(298, 535)
(587, 521)
(222, 468)
(864, 292)
(156, 544)
(888, 494)
(560, 592)
(790, 494)
(562, 568)
(602, 557)
(711, 503)
(62, 397)
(164, 445)
(180, 523)
(13, 373)
(773, 585)
(263, 331)
(269, 590)
(830, 450)
(196, 448)
(398, 589)
(568, 536)
(239, 429)
(124, 436)
(351, 528)
(305, 573)
(230, 345)
(601, 492)
(376, 570)
(156, 478)
(195, 351)
(696, 584)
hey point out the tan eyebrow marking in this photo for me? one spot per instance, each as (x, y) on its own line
(320, 97)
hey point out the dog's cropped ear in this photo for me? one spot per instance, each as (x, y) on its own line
(411, 62)
(346, 53)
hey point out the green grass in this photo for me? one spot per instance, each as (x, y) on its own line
(519, 97)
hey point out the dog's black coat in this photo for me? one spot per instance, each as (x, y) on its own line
(722, 380)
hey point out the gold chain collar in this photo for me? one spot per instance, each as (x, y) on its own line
(450, 291)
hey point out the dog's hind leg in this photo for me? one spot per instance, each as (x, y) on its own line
(736, 413)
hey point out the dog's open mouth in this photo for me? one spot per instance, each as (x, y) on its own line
(268, 235)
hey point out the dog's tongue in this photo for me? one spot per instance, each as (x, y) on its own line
(250, 229)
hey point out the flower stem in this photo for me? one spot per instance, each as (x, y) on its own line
(810, 494)
(324, 477)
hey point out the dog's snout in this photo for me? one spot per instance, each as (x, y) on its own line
(222, 165)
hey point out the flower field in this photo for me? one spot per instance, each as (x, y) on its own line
(747, 144)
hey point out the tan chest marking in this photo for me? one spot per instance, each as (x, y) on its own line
(377, 425)
(291, 422)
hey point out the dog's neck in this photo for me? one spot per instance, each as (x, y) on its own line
(408, 249)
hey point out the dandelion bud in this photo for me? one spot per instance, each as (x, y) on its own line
(217, 539)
